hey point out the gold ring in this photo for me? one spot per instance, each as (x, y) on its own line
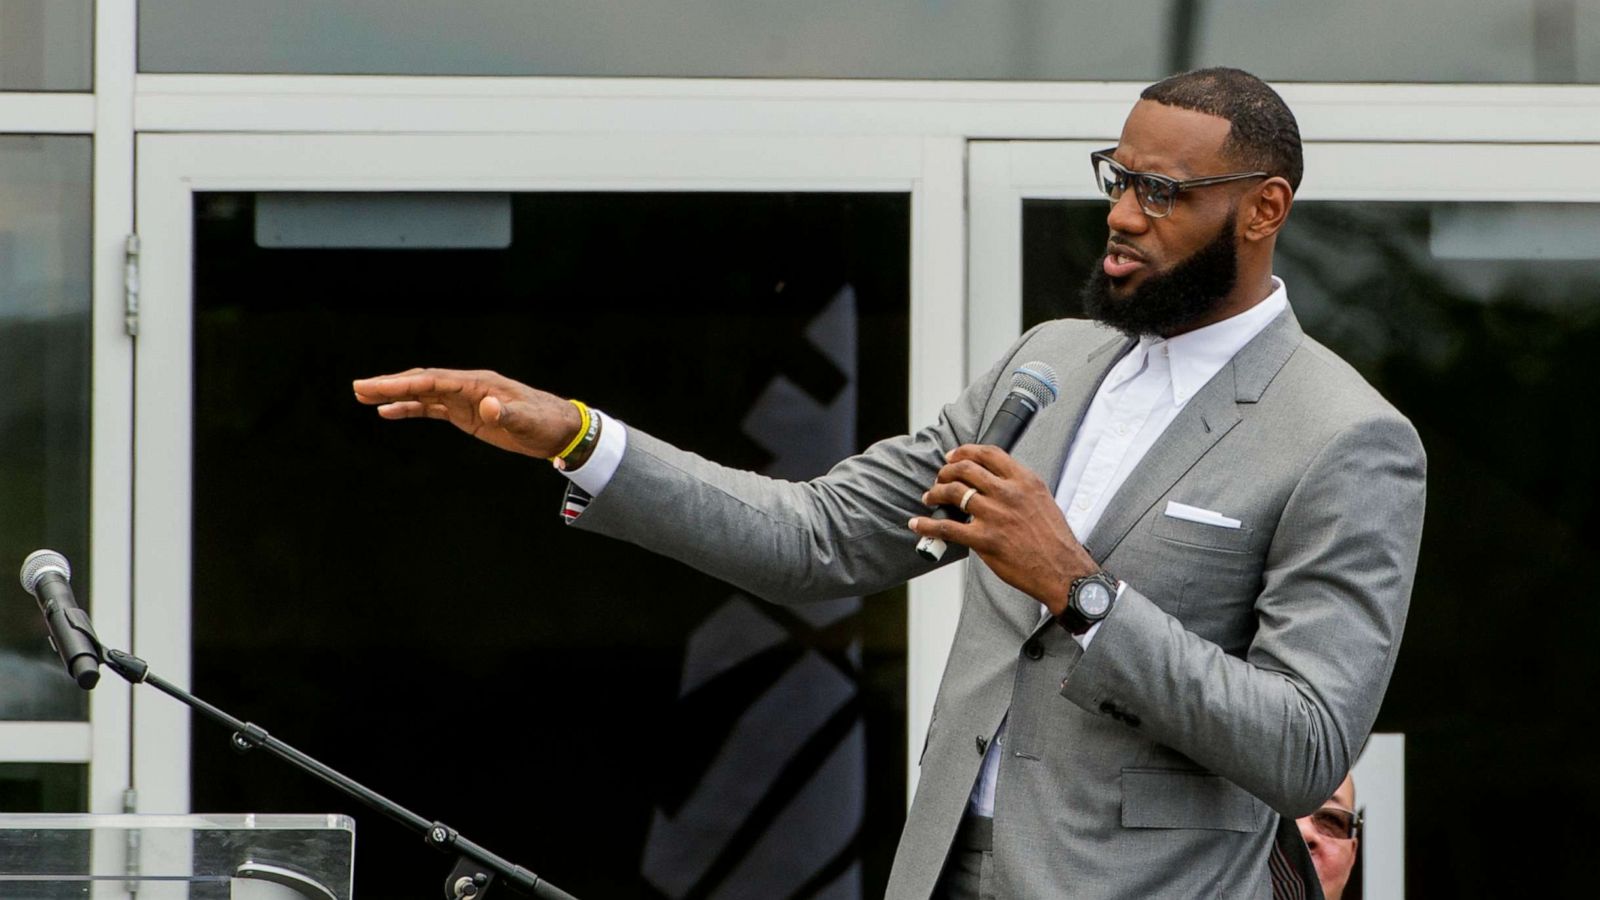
(967, 497)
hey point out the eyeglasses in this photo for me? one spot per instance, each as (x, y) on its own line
(1337, 822)
(1156, 193)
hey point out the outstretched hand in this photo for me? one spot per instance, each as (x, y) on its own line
(489, 406)
(1016, 529)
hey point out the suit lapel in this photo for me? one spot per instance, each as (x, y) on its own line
(1043, 446)
(1212, 413)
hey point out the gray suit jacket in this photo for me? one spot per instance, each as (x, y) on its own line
(1235, 680)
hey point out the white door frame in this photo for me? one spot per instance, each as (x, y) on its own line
(1002, 174)
(173, 167)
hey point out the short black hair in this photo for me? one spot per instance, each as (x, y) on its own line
(1264, 135)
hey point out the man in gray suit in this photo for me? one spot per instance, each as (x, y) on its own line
(1191, 573)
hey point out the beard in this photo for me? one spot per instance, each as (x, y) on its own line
(1168, 301)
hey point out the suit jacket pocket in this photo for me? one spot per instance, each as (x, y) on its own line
(1199, 534)
(1169, 798)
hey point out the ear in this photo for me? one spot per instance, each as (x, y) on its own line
(1266, 208)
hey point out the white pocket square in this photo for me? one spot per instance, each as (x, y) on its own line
(1204, 516)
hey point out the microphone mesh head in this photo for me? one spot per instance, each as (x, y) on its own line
(1037, 381)
(40, 562)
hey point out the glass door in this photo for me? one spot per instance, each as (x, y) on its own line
(406, 605)
(48, 727)
(1461, 280)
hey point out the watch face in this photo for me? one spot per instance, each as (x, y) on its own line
(1094, 599)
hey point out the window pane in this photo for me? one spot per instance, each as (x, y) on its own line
(46, 45)
(44, 410)
(386, 594)
(1480, 321)
(44, 787)
(1364, 40)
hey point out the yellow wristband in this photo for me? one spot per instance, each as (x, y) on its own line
(583, 429)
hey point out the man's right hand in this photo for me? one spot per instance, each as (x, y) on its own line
(486, 405)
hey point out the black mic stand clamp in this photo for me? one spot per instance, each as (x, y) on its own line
(475, 868)
(467, 879)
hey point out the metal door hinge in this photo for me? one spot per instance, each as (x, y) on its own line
(130, 285)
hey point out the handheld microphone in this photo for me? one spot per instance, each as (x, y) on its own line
(1033, 387)
(46, 575)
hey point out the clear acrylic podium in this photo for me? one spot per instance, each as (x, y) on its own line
(180, 857)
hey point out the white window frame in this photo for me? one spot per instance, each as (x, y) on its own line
(1001, 174)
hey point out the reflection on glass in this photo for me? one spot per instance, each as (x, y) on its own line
(44, 409)
(767, 331)
(44, 787)
(1362, 40)
(197, 857)
(46, 45)
(1481, 322)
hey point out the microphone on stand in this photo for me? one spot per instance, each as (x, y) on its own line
(1033, 387)
(46, 575)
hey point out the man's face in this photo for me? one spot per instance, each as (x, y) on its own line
(1333, 857)
(1166, 276)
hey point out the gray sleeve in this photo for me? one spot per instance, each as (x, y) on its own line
(1286, 722)
(840, 534)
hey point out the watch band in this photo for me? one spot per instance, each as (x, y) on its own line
(1074, 622)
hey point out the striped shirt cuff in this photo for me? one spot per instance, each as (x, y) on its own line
(589, 479)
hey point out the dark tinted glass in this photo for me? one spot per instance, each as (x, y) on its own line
(44, 787)
(44, 409)
(1481, 322)
(405, 603)
(1289, 40)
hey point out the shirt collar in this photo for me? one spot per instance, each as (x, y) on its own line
(1195, 357)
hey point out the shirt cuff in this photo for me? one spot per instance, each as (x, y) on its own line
(1084, 639)
(596, 472)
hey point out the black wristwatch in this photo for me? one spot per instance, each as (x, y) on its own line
(1088, 601)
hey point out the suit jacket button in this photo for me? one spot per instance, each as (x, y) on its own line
(1108, 707)
(983, 745)
(1033, 649)
(1131, 719)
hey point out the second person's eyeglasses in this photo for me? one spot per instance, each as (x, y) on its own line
(1336, 822)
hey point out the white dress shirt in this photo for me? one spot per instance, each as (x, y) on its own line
(1138, 399)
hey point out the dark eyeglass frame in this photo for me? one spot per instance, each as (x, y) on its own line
(1146, 183)
(1347, 821)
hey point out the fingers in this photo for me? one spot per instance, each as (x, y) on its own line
(413, 384)
(968, 471)
(948, 530)
(413, 409)
(985, 455)
(405, 409)
(987, 469)
(952, 493)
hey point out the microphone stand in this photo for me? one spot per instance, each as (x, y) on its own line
(475, 868)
